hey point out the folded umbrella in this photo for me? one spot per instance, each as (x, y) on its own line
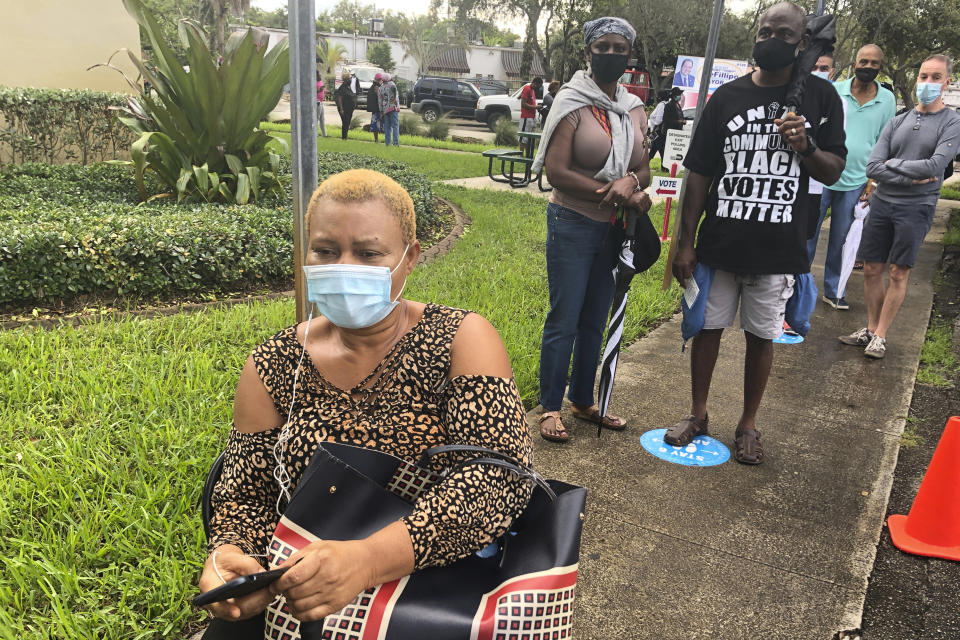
(850, 246)
(638, 251)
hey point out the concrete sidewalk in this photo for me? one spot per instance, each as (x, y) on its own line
(780, 551)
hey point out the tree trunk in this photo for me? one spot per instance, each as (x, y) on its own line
(530, 43)
(903, 85)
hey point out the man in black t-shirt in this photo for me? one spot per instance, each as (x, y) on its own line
(748, 169)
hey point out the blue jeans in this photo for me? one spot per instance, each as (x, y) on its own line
(581, 254)
(841, 204)
(391, 128)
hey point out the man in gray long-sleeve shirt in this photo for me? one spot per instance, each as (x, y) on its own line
(907, 162)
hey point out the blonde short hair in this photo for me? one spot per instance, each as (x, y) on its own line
(363, 185)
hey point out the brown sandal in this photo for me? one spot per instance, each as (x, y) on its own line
(560, 434)
(683, 433)
(748, 447)
(592, 414)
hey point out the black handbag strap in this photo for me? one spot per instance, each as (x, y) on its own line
(519, 470)
(465, 448)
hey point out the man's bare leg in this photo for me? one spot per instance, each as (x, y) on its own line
(893, 298)
(756, 369)
(873, 292)
(703, 357)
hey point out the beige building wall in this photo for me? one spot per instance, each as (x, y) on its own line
(51, 43)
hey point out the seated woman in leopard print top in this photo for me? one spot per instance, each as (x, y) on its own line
(419, 376)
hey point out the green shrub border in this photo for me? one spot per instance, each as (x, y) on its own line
(61, 125)
(69, 232)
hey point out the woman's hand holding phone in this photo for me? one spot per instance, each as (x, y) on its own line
(233, 563)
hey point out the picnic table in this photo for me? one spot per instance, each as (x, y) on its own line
(513, 157)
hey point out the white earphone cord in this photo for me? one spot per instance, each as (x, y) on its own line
(280, 473)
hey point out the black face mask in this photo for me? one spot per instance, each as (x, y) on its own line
(866, 76)
(608, 67)
(773, 54)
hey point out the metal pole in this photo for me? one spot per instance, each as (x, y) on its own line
(819, 7)
(705, 76)
(303, 131)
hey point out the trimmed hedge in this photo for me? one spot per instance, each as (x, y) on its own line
(70, 231)
(61, 125)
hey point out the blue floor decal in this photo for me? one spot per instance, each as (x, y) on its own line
(704, 451)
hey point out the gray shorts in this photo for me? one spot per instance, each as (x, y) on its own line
(894, 233)
(762, 300)
(528, 124)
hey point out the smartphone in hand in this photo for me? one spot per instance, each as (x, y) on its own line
(240, 586)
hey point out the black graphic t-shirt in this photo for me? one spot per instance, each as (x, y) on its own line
(757, 206)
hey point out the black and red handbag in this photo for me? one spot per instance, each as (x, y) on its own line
(520, 587)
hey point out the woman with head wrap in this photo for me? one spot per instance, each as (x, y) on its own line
(375, 370)
(595, 157)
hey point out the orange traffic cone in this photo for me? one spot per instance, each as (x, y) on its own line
(933, 526)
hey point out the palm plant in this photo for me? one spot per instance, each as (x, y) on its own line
(329, 55)
(200, 133)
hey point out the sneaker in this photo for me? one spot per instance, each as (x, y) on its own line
(876, 349)
(836, 303)
(859, 338)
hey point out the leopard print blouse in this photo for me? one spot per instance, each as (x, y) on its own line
(409, 407)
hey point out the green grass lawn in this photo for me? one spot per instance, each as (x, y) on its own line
(434, 164)
(366, 136)
(950, 193)
(108, 429)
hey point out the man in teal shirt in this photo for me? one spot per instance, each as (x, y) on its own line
(868, 107)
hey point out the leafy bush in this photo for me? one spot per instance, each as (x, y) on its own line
(200, 134)
(439, 129)
(505, 134)
(71, 231)
(56, 125)
(411, 125)
(355, 123)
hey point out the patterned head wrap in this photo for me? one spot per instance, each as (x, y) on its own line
(609, 24)
(387, 77)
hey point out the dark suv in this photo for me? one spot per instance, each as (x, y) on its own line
(435, 97)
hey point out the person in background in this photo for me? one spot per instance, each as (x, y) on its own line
(747, 169)
(908, 163)
(824, 67)
(868, 107)
(373, 107)
(346, 99)
(390, 110)
(685, 77)
(528, 107)
(548, 97)
(321, 94)
(595, 158)
(671, 118)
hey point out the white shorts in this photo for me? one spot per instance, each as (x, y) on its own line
(762, 300)
(528, 124)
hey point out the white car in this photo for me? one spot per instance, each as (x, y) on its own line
(493, 109)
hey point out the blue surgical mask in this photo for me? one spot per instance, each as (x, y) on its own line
(822, 74)
(928, 92)
(352, 296)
